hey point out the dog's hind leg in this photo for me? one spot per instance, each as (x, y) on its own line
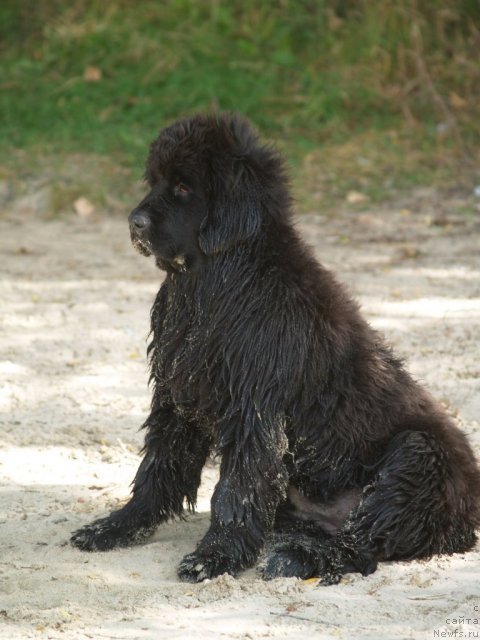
(174, 455)
(303, 531)
(416, 506)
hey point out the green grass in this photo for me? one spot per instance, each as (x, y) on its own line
(321, 77)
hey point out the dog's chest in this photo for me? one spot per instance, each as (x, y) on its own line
(185, 355)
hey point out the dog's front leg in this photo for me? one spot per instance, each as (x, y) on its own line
(174, 455)
(253, 480)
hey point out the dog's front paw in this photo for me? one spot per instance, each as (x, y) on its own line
(196, 567)
(108, 533)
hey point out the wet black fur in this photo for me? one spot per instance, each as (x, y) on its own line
(260, 355)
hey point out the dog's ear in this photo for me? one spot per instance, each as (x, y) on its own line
(234, 214)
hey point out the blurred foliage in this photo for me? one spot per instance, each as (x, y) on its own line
(102, 77)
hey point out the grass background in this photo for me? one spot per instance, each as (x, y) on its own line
(372, 95)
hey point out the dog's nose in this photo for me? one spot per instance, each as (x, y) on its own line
(139, 220)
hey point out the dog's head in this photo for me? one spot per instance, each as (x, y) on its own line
(213, 185)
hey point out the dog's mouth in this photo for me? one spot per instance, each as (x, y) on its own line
(176, 264)
(142, 246)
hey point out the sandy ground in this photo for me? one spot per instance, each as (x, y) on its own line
(75, 302)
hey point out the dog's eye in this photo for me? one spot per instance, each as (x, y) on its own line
(181, 189)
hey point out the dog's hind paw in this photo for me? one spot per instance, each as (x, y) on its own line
(286, 564)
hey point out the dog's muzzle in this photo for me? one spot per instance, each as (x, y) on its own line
(140, 223)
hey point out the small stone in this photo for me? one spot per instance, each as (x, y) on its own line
(83, 207)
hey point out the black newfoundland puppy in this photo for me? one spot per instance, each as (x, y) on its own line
(332, 457)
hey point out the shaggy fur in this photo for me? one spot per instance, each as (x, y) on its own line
(332, 457)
